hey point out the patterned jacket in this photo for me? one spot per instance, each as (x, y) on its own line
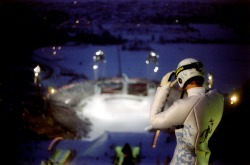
(199, 114)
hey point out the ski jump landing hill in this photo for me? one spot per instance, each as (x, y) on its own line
(107, 114)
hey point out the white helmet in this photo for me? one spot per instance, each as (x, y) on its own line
(187, 69)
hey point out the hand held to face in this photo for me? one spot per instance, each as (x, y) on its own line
(167, 79)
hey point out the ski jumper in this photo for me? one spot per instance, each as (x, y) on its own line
(198, 115)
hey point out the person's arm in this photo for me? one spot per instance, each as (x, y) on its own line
(163, 91)
(159, 101)
(161, 117)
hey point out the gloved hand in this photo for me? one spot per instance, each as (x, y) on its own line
(167, 79)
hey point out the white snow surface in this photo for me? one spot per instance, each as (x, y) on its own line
(224, 61)
(117, 113)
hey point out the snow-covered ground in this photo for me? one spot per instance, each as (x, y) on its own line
(226, 62)
(117, 113)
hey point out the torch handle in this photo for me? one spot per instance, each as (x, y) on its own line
(157, 133)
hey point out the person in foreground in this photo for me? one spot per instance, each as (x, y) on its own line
(194, 117)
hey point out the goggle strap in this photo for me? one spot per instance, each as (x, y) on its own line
(196, 65)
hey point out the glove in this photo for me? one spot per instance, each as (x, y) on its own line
(167, 79)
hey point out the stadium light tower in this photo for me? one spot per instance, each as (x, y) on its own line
(99, 64)
(210, 80)
(37, 71)
(152, 65)
(98, 67)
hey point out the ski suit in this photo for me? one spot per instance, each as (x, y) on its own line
(199, 114)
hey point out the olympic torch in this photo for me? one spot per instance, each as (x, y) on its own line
(157, 133)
